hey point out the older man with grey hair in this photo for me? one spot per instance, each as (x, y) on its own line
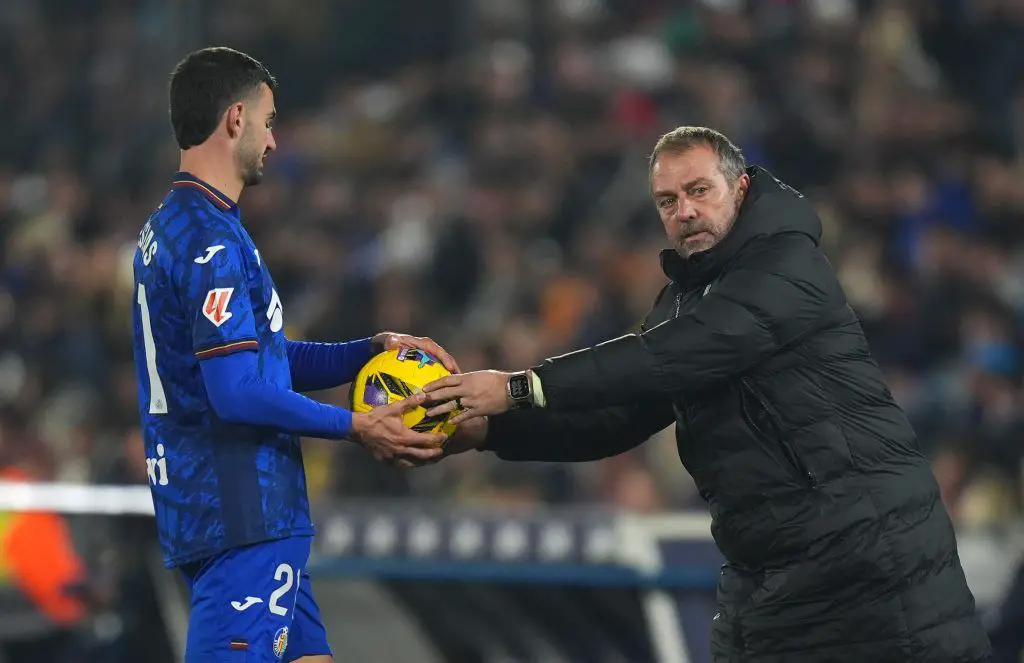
(838, 548)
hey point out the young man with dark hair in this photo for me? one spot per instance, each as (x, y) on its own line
(219, 382)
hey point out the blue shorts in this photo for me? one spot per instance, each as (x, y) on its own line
(254, 605)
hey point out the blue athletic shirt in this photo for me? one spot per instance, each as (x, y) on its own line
(203, 292)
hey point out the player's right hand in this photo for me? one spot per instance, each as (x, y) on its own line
(468, 436)
(383, 433)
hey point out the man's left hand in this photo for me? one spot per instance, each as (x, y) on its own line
(477, 394)
(393, 341)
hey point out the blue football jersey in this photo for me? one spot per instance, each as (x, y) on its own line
(203, 291)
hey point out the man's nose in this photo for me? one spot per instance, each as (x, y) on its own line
(686, 211)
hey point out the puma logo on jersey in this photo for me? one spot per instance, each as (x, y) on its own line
(215, 308)
(210, 252)
(250, 601)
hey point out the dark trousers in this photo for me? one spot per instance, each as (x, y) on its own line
(1007, 634)
(51, 648)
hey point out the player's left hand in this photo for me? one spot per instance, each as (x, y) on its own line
(478, 394)
(393, 341)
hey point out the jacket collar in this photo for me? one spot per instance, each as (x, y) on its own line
(770, 208)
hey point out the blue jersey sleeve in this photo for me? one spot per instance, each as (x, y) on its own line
(317, 366)
(239, 395)
(215, 290)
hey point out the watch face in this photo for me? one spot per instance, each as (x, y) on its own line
(519, 386)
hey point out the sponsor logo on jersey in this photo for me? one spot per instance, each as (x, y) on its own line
(210, 252)
(275, 313)
(215, 308)
(250, 601)
(156, 468)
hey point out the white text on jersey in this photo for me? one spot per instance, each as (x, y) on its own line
(146, 244)
(156, 468)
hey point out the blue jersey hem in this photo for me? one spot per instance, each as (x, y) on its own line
(180, 560)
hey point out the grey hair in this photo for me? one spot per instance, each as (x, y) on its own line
(731, 161)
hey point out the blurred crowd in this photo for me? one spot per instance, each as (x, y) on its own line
(474, 170)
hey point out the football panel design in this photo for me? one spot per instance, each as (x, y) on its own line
(429, 424)
(374, 393)
(396, 386)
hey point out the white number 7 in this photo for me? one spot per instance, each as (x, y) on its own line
(157, 398)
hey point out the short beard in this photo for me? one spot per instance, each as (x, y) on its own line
(252, 175)
(687, 253)
(250, 160)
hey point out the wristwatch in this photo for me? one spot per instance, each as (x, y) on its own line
(520, 390)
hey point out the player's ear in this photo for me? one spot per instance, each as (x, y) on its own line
(235, 119)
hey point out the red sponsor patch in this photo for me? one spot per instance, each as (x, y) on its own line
(215, 308)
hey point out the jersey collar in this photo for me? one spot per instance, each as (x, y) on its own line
(183, 180)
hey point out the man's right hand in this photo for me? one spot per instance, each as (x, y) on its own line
(383, 433)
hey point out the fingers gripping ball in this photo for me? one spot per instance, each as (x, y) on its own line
(397, 374)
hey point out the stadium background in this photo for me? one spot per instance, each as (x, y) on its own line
(474, 170)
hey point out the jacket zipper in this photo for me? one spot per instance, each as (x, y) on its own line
(787, 450)
(683, 410)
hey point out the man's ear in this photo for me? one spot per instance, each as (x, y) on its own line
(234, 119)
(744, 184)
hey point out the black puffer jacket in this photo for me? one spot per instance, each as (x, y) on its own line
(838, 546)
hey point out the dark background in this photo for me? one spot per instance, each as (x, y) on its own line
(474, 170)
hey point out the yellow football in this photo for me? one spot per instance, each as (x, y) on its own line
(397, 374)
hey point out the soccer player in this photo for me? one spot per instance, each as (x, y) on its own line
(219, 382)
